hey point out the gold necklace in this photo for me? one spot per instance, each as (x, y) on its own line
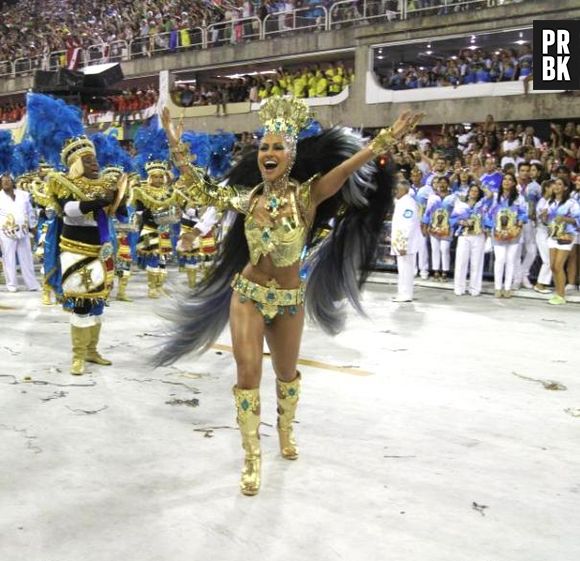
(274, 202)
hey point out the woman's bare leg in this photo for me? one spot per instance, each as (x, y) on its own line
(557, 262)
(284, 336)
(247, 329)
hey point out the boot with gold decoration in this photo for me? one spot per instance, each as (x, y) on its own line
(248, 409)
(81, 337)
(122, 290)
(92, 353)
(46, 294)
(288, 394)
(153, 290)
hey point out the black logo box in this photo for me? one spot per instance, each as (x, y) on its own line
(549, 63)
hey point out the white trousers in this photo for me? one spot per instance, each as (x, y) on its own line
(423, 256)
(529, 251)
(504, 263)
(470, 255)
(21, 248)
(406, 275)
(545, 274)
(440, 254)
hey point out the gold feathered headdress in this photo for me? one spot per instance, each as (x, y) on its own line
(285, 116)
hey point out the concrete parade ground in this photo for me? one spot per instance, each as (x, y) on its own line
(443, 430)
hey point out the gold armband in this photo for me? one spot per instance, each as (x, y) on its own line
(383, 142)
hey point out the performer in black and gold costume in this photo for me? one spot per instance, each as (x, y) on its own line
(302, 185)
(157, 207)
(86, 253)
(48, 232)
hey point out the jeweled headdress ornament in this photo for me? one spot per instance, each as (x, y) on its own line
(156, 166)
(285, 116)
(76, 148)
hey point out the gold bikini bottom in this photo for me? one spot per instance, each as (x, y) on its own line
(270, 300)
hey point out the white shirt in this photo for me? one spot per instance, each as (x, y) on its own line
(20, 209)
(405, 226)
(510, 145)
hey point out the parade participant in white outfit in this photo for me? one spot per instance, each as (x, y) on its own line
(405, 240)
(505, 219)
(542, 236)
(436, 224)
(421, 197)
(491, 179)
(532, 192)
(467, 221)
(563, 225)
(17, 219)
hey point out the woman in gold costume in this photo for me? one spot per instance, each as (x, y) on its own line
(303, 183)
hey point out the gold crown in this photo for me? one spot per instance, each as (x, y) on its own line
(286, 116)
(112, 169)
(75, 148)
(156, 166)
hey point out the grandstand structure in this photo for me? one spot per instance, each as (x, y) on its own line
(333, 31)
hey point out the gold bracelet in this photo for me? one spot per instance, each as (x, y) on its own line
(383, 142)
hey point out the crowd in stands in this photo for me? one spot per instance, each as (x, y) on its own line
(129, 104)
(470, 66)
(316, 80)
(35, 28)
(509, 145)
(447, 165)
(32, 31)
(11, 112)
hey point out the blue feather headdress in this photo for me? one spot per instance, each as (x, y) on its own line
(221, 148)
(6, 151)
(199, 146)
(26, 158)
(152, 148)
(51, 125)
(110, 154)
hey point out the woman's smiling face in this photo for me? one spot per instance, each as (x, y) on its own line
(273, 157)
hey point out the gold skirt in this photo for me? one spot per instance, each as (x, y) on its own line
(270, 300)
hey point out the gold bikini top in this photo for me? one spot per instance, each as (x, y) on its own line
(284, 237)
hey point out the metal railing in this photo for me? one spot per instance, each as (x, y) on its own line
(233, 31)
(314, 16)
(310, 17)
(347, 12)
(444, 7)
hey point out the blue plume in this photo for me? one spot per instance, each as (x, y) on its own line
(6, 151)
(26, 158)
(51, 122)
(105, 152)
(151, 145)
(199, 145)
(311, 129)
(110, 152)
(222, 145)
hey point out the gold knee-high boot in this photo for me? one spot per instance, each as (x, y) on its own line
(80, 337)
(288, 395)
(161, 278)
(191, 277)
(92, 353)
(46, 294)
(122, 291)
(153, 291)
(248, 409)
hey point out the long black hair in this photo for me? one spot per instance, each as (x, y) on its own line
(337, 269)
(513, 191)
(565, 194)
